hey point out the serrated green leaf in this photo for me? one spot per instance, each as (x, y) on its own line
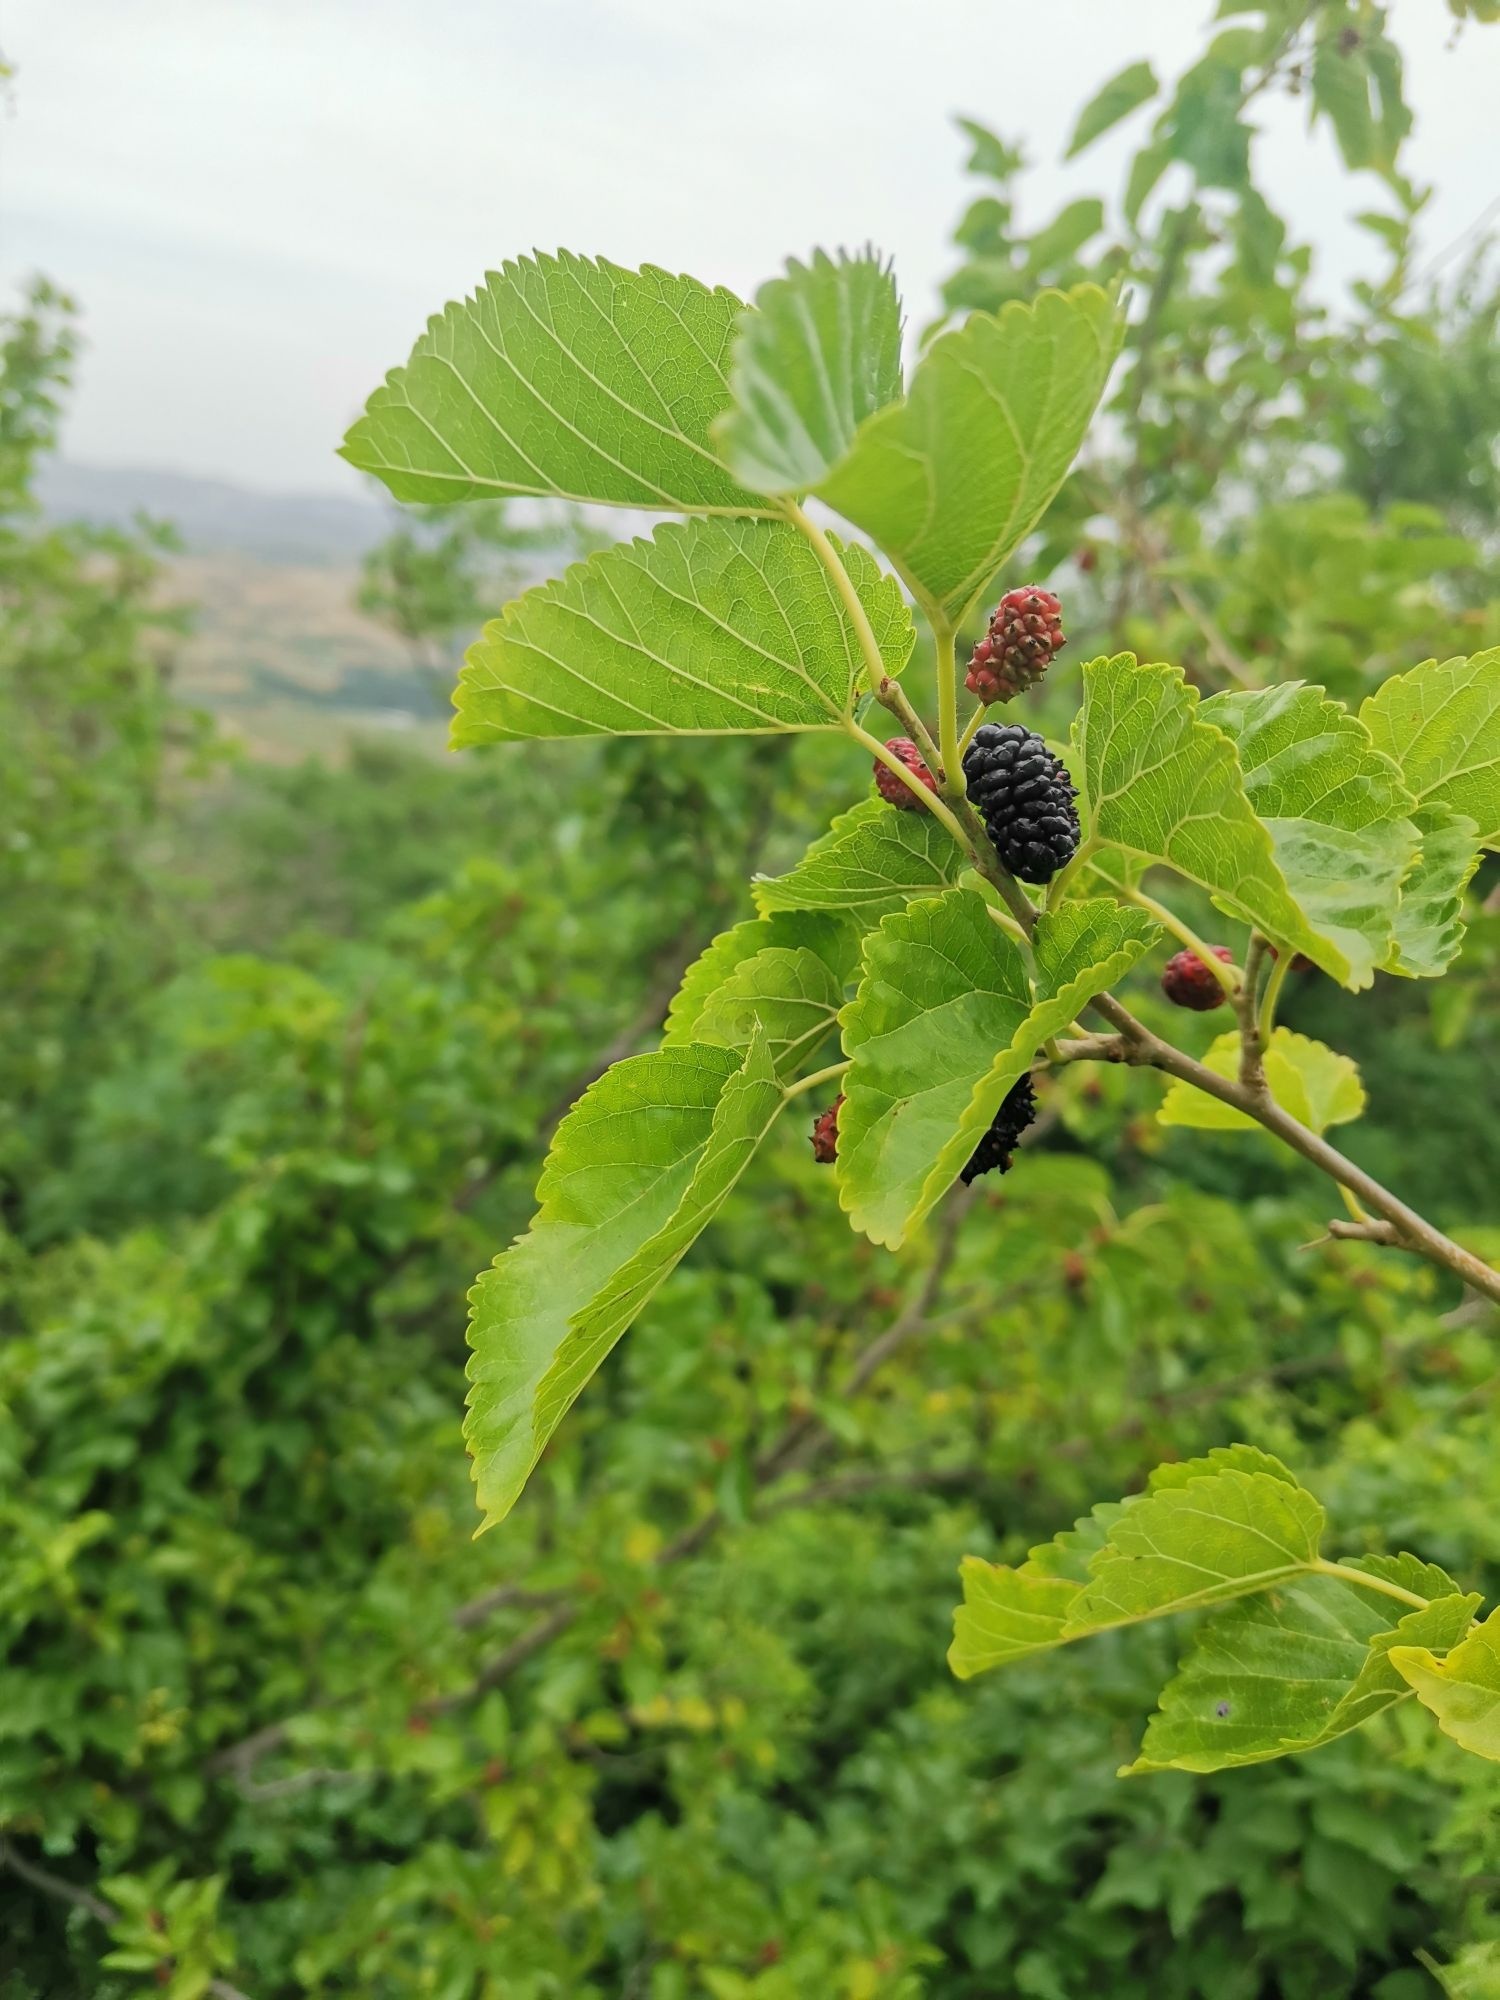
(1287, 1671)
(1164, 785)
(1304, 756)
(1124, 93)
(1214, 1529)
(562, 376)
(1314, 1083)
(1220, 1458)
(820, 353)
(1429, 928)
(638, 1154)
(1006, 1614)
(951, 480)
(945, 1021)
(1335, 808)
(835, 942)
(1217, 1537)
(745, 1112)
(1462, 1689)
(1441, 725)
(789, 996)
(873, 859)
(708, 628)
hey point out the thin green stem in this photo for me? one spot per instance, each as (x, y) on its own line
(947, 700)
(1366, 1581)
(806, 1083)
(1062, 880)
(1354, 1205)
(1227, 975)
(1274, 983)
(843, 583)
(969, 727)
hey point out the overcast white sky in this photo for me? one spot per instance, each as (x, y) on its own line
(258, 202)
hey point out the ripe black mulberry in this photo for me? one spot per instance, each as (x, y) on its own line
(1025, 798)
(993, 1153)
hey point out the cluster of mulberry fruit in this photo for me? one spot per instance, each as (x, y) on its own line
(1025, 798)
(1025, 635)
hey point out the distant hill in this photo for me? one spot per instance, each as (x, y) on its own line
(215, 517)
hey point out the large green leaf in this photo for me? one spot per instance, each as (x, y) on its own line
(1292, 1669)
(1336, 810)
(708, 628)
(873, 859)
(1164, 785)
(1441, 724)
(819, 354)
(1429, 929)
(951, 480)
(562, 376)
(1462, 1689)
(835, 942)
(945, 1021)
(1124, 93)
(1318, 1086)
(745, 1112)
(635, 1170)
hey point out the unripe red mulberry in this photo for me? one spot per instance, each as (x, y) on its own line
(825, 1133)
(1188, 982)
(1025, 636)
(890, 786)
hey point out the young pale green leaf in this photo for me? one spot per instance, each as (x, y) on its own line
(1441, 724)
(945, 1021)
(1124, 93)
(745, 1112)
(1163, 785)
(833, 941)
(1336, 810)
(875, 858)
(1462, 1689)
(565, 377)
(1222, 1535)
(951, 480)
(1007, 1614)
(790, 996)
(1314, 1083)
(819, 354)
(1290, 1670)
(1205, 1531)
(639, 1153)
(708, 628)
(1429, 928)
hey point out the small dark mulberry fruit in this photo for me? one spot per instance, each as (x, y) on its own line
(1187, 981)
(825, 1133)
(1025, 798)
(993, 1153)
(890, 786)
(1025, 636)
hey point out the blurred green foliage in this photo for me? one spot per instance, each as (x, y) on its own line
(280, 1054)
